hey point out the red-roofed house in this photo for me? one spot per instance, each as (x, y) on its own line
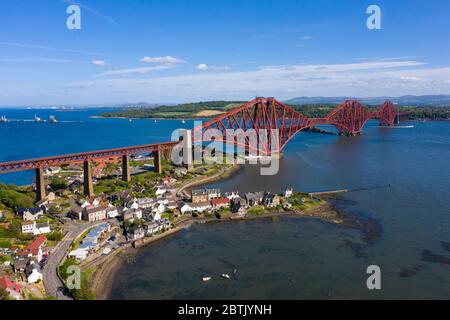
(220, 202)
(34, 249)
(12, 287)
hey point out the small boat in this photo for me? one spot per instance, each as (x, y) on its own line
(3, 119)
(37, 119)
(130, 120)
(206, 279)
(183, 121)
(53, 119)
(225, 276)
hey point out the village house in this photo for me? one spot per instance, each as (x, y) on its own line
(144, 203)
(19, 264)
(238, 205)
(201, 206)
(2, 214)
(137, 213)
(288, 193)
(93, 213)
(33, 272)
(160, 190)
(36, 228)
(232, 195)
(34, 249)
(172, 205)
(11, 287)
(44, 203)
(112, 212)
(127, 215)
(135, 233)
(151, 228)
(271, 200)
(204, 195)
(31, 214)
(186, 208)
(220, 203)
(254, 198)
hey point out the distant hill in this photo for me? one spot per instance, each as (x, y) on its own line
(409, 100)
(180, 111)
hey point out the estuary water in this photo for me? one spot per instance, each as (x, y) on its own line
(402, 178)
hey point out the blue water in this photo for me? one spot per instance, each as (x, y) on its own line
(287, 258)
(75, 132)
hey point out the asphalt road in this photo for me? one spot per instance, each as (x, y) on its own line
(53, 285)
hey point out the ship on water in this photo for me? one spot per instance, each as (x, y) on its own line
(3, 119)
(37, 119)
(52, 119)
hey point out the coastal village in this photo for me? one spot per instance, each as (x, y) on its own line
(134, 215)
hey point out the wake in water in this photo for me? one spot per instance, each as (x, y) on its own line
(401, 127)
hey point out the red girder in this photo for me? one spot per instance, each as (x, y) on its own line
(267, 113)
(81, 157)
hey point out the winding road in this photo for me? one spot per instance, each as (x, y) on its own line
(52, 283)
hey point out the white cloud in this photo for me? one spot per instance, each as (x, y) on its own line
(201, 66)
(353, 79)
(409, 78)
(99, 63)
(135, 71)
(306, 38)
(205, 67)
(162, 60)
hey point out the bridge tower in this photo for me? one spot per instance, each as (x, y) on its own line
(40, 184)
(126, 174)
(88, 185)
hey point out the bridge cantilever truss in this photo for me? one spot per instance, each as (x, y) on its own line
(269, 114)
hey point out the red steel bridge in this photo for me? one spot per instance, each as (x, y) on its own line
(259, 114)
(268, 113)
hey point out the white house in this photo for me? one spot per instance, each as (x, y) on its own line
(186, 208)
(28, 227)
(288, 193)
(136, 233)
(42, 228)
(160, 190)
(36, 228)
(134, 205)
(32, 214)
(157, 216)
(161, 208)
(233, 195)
(201, 206)
(112, 212)
(145, 203)
(79, 254)
(33, 272)
(137, 213)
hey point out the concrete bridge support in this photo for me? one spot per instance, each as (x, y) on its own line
(157, 160)
(40, 184)
(88, 185)
(126, 174)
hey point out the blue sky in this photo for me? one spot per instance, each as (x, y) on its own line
(170, 51)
